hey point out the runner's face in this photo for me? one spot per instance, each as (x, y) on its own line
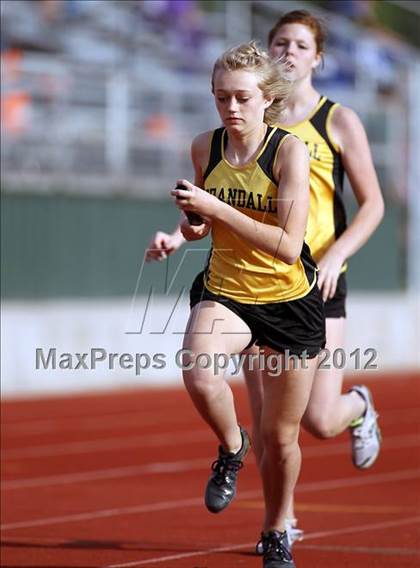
(239, 100)
(296, 44)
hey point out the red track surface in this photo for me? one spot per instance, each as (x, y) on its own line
(116, 480)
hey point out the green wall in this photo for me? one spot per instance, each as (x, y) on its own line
(381, 263)
(58, 247)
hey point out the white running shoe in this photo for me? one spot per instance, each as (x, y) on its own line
(365, 433)
(293, 534)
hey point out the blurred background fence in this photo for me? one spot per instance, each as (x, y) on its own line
(99, 103)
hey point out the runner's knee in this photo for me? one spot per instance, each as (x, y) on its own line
(280, 440)
(320, 423)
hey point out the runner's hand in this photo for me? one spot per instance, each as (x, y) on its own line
(162, 245)
(194, 232)
(330, 267)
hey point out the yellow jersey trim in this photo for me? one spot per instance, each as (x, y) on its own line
(307, 118)
(254, 160)
(328, 129)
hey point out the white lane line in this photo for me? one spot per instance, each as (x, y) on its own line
(184, 555)
(363, 549)
(362, 528)
(251, 545)
(110, 421)
(179, 466)
(100, 422)
(389, 443)
(362, 480)
(108, 444)
(150, 508)
(109, 473)
(387, 551)
(185, 436)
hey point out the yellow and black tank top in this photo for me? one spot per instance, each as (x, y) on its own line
(235, 269)
(327, 217)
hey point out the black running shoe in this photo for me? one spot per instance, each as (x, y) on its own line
(276, 550)
(293, 534)
(221, 487)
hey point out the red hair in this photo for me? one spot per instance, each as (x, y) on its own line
(306, 19)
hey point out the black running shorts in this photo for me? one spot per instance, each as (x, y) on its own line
(296, 327)
(335, 307)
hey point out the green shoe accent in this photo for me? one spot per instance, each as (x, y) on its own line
(356, 422)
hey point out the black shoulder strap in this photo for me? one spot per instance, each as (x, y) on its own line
(215, 151)
(266, 160)
(319, 122)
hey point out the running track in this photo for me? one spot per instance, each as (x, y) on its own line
(116, 480)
